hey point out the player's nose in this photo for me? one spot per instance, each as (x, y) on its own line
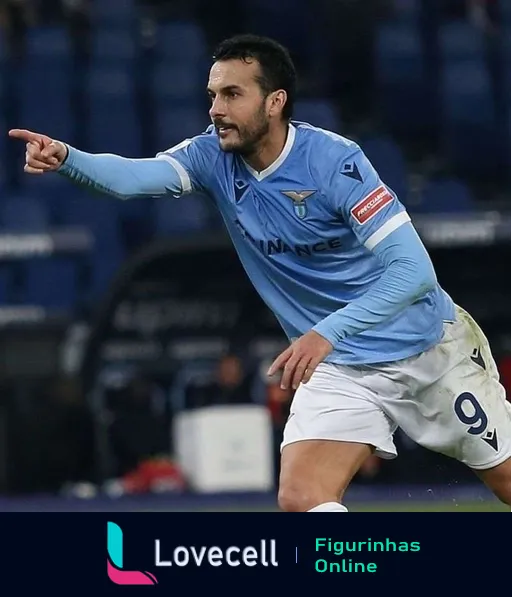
(217, 109)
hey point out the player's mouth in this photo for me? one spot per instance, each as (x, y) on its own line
(223, 131)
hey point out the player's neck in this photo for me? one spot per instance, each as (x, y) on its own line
(269, 148)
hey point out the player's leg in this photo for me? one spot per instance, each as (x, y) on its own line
(481, 408)
(334, 425)
(499, 477)
(497, 480)
(454, 404)
(315, 474)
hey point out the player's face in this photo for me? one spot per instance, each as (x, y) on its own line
(239, 109)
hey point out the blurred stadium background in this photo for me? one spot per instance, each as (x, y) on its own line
(132, 345)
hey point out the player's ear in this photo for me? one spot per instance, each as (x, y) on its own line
(277, 101)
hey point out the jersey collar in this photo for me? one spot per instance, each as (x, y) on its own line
(259, 176)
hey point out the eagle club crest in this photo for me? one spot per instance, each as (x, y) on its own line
(299, 201)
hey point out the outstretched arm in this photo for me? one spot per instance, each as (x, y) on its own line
(122, 177)
(111, 174)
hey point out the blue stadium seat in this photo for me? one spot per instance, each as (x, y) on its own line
(111, 81)
(174, 216)
(317, 112)
(100, 214)
(114, 129)
(176, 124)
(24, 214)
(460, 40)
(47, 67)
(48, 42)
(113, 44)
(181, 41)
(51, 190)
(466, 94)
(389, 162)
(446, 196)
(51, 282)
(137, 208)
(266, 17)
(55, 115)
(407, 10)
(177, 82)
(468, 116)
(5, 285)
(404, 92)
(103, 270)
(113, 125)
(114, 11)
(399, 54)
(136, 223)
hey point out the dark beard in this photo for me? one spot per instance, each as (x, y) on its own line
(249, 145)
(250, 138)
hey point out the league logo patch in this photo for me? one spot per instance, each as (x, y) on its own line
(240, 188)
(371, 204)
(352, 171)
(299, 201)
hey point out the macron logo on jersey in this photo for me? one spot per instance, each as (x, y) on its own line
(371, 205)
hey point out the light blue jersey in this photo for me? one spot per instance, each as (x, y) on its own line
(327, 245)
(305, 230)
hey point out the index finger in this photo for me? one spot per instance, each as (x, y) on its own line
(280, 361)
(25, 135)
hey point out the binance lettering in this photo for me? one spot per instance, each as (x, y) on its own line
(278, 246)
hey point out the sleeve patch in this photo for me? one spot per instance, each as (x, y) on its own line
(370, 206)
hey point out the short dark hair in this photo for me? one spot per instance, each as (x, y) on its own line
(277, 68)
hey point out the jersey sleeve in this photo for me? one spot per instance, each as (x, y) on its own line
(363, 200)
(194, 160)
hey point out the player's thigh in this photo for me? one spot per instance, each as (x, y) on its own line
(334, 424)
(456, 405)
(317, 471)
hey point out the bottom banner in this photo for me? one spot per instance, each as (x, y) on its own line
(237, 553)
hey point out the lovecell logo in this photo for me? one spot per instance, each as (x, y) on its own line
(115, 570)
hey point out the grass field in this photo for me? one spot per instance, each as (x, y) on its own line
(479, 506)
(355, 506)
(383, 507)
(374, 499)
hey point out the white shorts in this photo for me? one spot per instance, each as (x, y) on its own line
(447, 399)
